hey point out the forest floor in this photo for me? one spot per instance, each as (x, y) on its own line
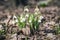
(46, 30)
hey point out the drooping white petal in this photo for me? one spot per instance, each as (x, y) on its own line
(23, 20)
(26, 9)
(39, 20)
(1, 27)
(36, 9)
(21, 16)
(27, 15)
(30, 21)
(16, 20)
(41, 17)
(14, 16)
(36, 13)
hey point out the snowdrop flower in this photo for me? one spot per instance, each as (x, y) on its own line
(14, 16)
(27, 15)
(41, 17)
(39, 20)
(16, 20)
(36, 9)
(30, 21)
(21, 16)
(23, 20)
(1, 27)
(26, 10)
(36, 13)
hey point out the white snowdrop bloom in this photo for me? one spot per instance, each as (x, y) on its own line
(16, 20)
(21, 16)
(39, 20)
(30, 21)
(1, 27)
(36, 9)
(41, 17)
(26, 9)
(23, 20)
(14, 16)
(36, 13)
(27, 15)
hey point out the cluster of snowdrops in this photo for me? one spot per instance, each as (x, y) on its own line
(31, 19)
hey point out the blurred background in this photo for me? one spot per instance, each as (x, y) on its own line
(49, 10)
(21, 3)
